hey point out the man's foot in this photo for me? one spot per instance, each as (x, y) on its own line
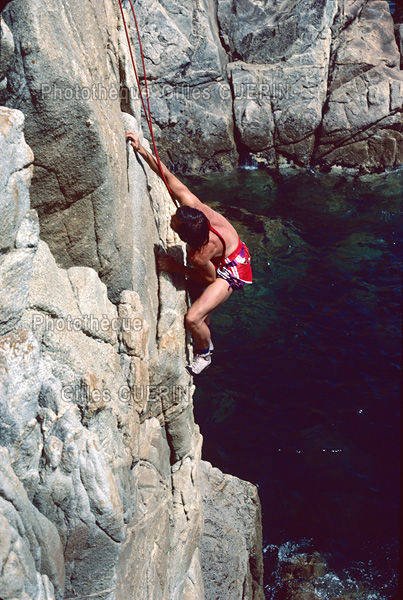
(200, 362)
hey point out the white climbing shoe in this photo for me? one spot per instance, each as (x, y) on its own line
(200, 362)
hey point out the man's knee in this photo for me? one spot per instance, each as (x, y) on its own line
(191, 319)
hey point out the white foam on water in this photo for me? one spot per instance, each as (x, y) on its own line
(351, 583)
(249, 164)
(249, 167)
(332, 585)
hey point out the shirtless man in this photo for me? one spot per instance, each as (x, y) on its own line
(220, 261)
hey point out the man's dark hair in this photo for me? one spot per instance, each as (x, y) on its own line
(192, 226)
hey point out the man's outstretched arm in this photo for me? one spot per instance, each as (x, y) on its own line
(179, 190)
(204, 272)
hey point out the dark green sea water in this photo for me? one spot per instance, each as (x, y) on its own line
(303, 396)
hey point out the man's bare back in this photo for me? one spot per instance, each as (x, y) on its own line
(224, 228)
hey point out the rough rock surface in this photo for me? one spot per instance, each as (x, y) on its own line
(6, 52)
(231, 556)
(317, 83)
(66, 77)
(279, 77)
(99, 452)
(362, 118)
(15, 175)
(19, 230)
(190, 97)
(31, 555)
(75, 396)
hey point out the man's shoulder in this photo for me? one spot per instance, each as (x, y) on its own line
(202, 256)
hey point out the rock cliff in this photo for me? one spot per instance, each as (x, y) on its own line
(313, 82)
(103, 493)
(100, 458)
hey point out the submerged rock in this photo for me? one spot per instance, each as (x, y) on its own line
(306, 576)
(299, 574)
(306, 566)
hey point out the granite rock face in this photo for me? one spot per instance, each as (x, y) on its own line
(231, 556)
(398, 19)
(267, 32)
(6, 52)
(190, 97)
(99, 453)
(19, 229)
(316, 83)
(363, 119)
(31, 555)
(93, 402)
(66, 76)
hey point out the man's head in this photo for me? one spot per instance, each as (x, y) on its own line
(192, 226)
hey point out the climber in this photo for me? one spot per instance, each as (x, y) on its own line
(221, 262)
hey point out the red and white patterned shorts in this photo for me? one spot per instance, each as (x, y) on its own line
(236, 268)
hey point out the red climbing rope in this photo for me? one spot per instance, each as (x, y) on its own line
(147, 113)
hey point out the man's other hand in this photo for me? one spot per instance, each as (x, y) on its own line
(134, 140)
(168, 263)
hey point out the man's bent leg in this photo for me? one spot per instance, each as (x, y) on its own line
(213, 296)
(195, 290)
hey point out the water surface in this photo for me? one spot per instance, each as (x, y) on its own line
(303, 396)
